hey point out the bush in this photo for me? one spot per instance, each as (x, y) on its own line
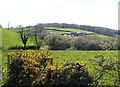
(92, 45)
(34, 69)
(71, 74)
(105, 69)
(80, 43)
(57, 42)
(25, 68)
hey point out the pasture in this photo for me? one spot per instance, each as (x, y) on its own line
(11, 38)
(67, 55)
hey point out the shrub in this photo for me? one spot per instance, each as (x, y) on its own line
(80, 43)
(57, 42)
(71, 74)
(105, 69)
(92, 45)
(25, 68)
(34, 69)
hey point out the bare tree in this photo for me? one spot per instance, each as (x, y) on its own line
(24, 37)
(39, 35)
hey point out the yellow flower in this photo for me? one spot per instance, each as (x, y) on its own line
(31, 75)
(74, 67)
(29, 65)
(52, 67)
(82, 63)
(25, 63)
(108, 64)
(33, 51)
(37, 69)
(12, 53)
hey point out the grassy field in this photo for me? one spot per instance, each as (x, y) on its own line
(64, 30)
(61, 56)
(11, 38)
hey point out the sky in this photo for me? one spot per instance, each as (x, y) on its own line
(102, 13)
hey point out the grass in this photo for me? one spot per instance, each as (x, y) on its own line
(61, 56)
(68, 30)
(11, 38)
(0, 34)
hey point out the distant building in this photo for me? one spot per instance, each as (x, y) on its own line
(73, 34)
(50, 32)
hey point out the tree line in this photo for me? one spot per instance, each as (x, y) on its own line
(57, 42)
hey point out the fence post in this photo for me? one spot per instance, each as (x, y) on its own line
(50, 60)
(8, 60)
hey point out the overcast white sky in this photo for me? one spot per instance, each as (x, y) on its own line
(102, 13)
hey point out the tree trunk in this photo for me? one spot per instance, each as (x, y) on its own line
(24, 46)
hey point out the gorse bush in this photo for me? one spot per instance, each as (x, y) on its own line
(25, 68)
(37, 69)
(72, 73)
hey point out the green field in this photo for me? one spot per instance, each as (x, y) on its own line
(11, 38)
(67, 30)
(61, 56)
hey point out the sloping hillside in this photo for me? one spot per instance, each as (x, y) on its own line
(62, 31)
(57, 30)
(95, 29)
(10, 38)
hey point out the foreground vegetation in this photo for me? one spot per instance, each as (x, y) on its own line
(85, 56)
